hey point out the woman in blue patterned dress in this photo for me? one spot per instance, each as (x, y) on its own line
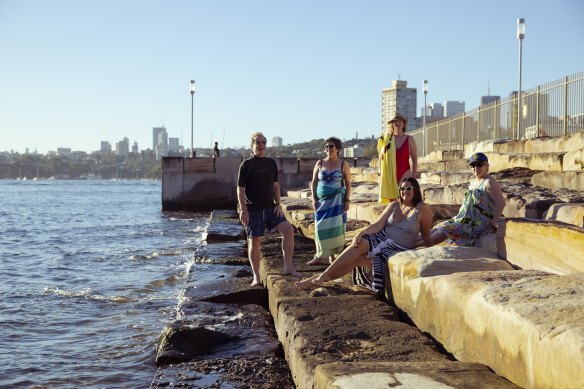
(331, 192)
(479, 213)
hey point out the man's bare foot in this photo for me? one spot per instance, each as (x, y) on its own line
(255, 283)
(316, 261)
(308, 284)
(290, 272)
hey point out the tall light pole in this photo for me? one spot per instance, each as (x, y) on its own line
(520, 36)
(424, 120)
(192, 90)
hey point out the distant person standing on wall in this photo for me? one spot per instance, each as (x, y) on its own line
(398, 158)
(216, 150)
(258, 194)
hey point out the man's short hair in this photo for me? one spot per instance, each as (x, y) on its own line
(255, 135)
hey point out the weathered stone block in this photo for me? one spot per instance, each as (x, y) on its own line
(547, 246)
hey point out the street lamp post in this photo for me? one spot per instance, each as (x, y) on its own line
(192, 90)
(424, 120)
(520, 36)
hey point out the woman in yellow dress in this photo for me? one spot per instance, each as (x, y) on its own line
(398, 158)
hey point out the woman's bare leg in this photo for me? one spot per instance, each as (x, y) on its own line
(351, 257)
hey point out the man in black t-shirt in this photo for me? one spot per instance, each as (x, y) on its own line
(258, 193)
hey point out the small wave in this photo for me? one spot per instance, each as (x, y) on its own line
(86, 294)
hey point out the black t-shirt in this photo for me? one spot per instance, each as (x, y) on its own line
(258, 175)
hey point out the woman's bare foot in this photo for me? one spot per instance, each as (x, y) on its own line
(316, 261)
(255, 283)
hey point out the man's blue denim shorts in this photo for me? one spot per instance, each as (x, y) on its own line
(259, 221)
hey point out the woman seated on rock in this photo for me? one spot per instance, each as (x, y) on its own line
(480, 211)
(396, 230)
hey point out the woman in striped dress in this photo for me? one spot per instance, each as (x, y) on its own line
(331, 192)
(396, 230)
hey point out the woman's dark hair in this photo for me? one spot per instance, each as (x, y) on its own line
(337, 142)
(417, 190)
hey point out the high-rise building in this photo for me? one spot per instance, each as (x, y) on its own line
(173, 146)
(106, 147)
(436, 110)
(452, 108)
(160, 142)
(398, 98)
(156, 131)
(135, 148)
(276, 141)
(489, 99)
(123, 147)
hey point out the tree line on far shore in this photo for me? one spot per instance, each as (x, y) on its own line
(96, 165)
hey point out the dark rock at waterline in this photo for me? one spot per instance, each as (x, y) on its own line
(211, 330)
(182, 344)
(222, 230)
(224, 284)
(253, 373)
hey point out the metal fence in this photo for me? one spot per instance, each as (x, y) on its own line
(552, 109)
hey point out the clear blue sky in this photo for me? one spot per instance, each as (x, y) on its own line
(74, 73)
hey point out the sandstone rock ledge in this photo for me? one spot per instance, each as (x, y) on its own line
(340, 336)
(527, 325)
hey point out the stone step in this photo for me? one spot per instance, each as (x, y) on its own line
(543, 245)
(573, 180)
(448, 374)
(566, 143)
(528, 326)
(566, 213)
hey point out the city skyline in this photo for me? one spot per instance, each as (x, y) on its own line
(299, 71)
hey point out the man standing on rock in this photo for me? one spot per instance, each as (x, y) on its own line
(258, 194)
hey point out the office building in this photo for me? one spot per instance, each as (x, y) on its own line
(398, 98)
(135, 148)
(123, 147)
(353, 152)
(106, 147)
(276, 141)
(173, 147)
(452, 108)
(489, 99)
(156, 131)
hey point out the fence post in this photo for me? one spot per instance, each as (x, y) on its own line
(566, 105)
(463, 128)
(537, 110)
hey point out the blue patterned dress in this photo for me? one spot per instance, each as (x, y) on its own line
(473, 219)
(330, 216)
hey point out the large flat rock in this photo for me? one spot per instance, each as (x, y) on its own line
(544, 245)
(528, 326)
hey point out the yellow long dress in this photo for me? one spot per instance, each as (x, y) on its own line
(387, 181)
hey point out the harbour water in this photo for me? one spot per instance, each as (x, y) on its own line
(91, 274)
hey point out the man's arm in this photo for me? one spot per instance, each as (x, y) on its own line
(276, 194)
(243, 214)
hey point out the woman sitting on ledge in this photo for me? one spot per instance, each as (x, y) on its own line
(396, 230)
(480, 211)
